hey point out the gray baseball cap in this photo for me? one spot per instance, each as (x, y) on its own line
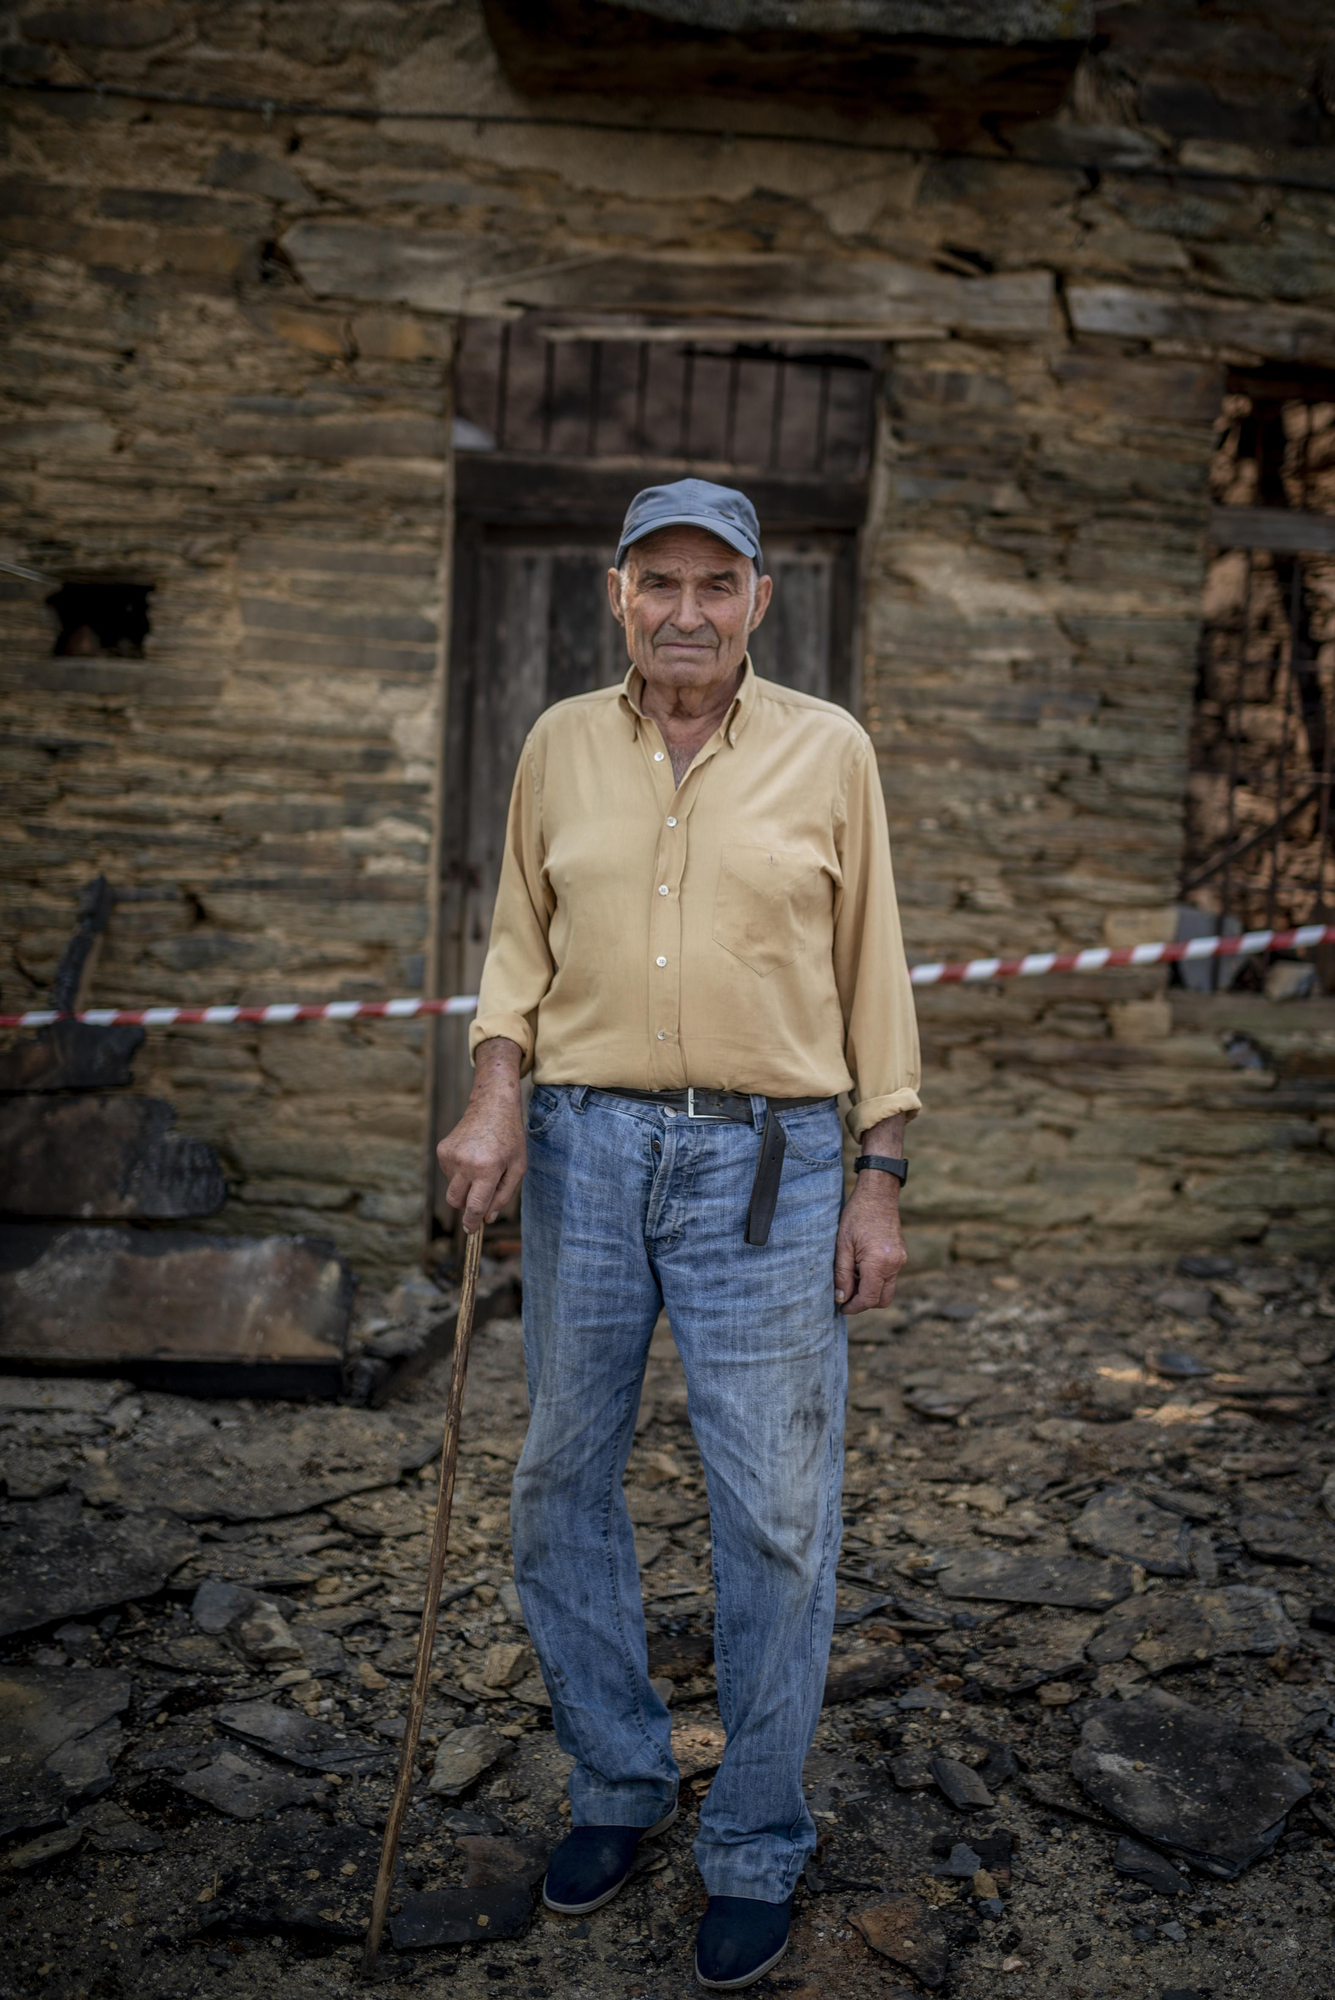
(694, 503)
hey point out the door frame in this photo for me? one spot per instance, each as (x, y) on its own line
(511, 489)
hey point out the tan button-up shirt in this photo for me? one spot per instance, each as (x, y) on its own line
(735, 932)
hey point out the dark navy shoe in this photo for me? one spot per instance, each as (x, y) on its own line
(592, 1863)
(739, 1939)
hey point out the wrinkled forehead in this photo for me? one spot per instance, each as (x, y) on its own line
(682, 550)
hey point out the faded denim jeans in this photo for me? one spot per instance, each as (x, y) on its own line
(628, 1208)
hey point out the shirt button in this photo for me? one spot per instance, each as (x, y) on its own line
(662, 1035)
(662, 888)
(672, 822)
(660, 961)
(658, 756)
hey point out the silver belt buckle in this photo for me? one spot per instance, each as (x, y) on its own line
(705, 1117)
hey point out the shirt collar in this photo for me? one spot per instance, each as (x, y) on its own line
(632, 697)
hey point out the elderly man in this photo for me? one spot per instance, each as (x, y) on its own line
(695, 949)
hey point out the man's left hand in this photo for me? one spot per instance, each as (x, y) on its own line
(869, 1251)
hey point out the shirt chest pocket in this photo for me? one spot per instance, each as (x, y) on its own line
(765, 905)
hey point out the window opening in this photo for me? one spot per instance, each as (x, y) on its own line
(1259, 819)
(785, 407)
(100, 618)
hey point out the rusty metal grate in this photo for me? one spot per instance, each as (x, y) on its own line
(786, 407)
(1259, 816)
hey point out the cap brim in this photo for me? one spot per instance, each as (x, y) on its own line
(736, 538)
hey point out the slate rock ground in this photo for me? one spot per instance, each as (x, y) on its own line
(253, 1466)
(246, 1788)
(301, 1878)
(1189, 1780)
(59, 1558)
(1146, 1864)
(1117, 1522)
(1057, 1579)
(1168, 1630)
(145, 1890)
(61, 1733)
(296, 1739)
(479, 1915)
(906, 1930)
(463, 1755)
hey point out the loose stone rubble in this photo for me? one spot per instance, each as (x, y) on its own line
(1079, 1732)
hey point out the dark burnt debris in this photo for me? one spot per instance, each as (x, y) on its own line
(1080, 1713)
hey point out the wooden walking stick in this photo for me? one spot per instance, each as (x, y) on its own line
(426, 1638)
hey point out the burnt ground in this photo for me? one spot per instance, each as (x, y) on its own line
(985, 1415)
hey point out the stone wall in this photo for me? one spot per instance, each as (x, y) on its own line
(258, 787)
(226, 372)
(1034, 590)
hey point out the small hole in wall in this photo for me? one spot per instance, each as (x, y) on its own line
(101, 618)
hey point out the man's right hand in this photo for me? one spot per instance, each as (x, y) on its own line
(484, 1158)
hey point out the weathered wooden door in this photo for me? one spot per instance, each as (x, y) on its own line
(555, 435)
(532, 626)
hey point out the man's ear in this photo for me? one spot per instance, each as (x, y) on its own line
(615, 591)
(764, 592)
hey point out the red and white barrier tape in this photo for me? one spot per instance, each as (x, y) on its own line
(1101, 957)
(1098, 959)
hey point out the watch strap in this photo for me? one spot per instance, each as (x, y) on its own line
(883, 1164)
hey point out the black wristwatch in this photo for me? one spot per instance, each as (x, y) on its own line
(899, 1168)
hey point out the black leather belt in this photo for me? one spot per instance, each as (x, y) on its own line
(735, 1107)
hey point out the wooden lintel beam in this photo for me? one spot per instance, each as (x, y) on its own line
(1284, 530)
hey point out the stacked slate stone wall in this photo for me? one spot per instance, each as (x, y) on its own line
(258, 787)
(1034, 599)
(226, 372)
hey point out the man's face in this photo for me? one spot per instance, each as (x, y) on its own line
(689, 603)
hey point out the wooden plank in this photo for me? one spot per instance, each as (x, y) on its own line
(584, 643)
(792, 645)
(505, 488)
(444, 271)
(956, 66)
(103, 1158)
(1285, 530)
(144, 1301)
(1286, 333)
(868, 295)
(509, 684)
(636, 327)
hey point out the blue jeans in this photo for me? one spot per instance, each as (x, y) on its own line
(626, 1209)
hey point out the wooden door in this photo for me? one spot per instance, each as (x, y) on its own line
(531, 626)
(806, 640)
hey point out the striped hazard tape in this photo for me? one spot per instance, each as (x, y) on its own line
(1098, 959)
(1101, 957)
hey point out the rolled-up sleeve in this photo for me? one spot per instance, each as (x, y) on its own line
(518, 969)
(880, 1026)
